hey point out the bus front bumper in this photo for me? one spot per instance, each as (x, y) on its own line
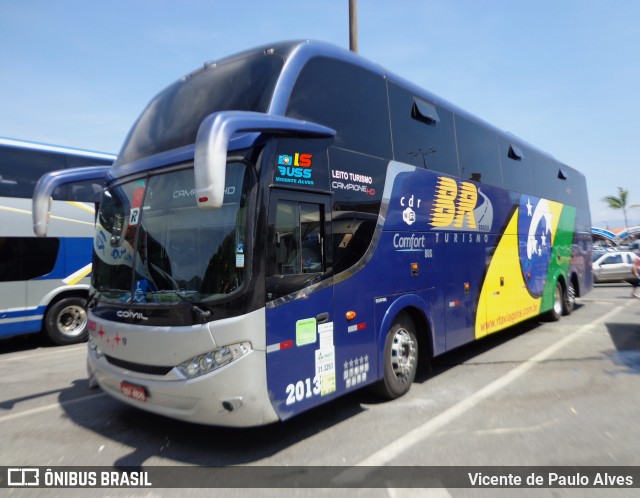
(235, 395)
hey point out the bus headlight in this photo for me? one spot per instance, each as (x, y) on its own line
(212, 360)
(93, 347)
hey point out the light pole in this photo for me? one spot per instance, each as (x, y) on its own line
(353, 25)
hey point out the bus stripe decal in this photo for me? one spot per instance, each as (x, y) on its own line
(75, 277)
(281, 345)
(53, 217)
(83, 206)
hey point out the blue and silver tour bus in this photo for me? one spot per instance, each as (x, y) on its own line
(292, 223)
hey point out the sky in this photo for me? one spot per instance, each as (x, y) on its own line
(564, 75)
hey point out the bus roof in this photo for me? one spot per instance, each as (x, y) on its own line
(57, 149)
(295, 55)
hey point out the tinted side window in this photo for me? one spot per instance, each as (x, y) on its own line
(422, 136)
(478, 152)
(544, 176)
(347, 98)
(358, 185)
(529, 171)
(575, 189)
(20, 169)
(517, 164)
(25, 258)
(296, 253)
(562, 183)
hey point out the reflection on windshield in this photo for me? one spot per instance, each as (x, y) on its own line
(181, 252)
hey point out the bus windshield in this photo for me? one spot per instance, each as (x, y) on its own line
(153, 245)
(172, 118)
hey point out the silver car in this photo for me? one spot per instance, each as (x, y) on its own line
(614, 267)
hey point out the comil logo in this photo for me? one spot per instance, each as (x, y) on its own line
(134, 315)
(455, 206)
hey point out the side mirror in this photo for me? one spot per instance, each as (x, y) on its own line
(41, 203)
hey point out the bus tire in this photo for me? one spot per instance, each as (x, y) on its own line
(569, 301)
(558, 303)
(66, 321)
(400, 360)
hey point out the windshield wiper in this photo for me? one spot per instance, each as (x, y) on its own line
(199, 315)
(92, 299)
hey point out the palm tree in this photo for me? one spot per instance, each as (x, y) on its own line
(619, 202)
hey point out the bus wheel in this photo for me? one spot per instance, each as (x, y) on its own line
(558, 303)
(400, 359)
(569, 301)
(66, 321)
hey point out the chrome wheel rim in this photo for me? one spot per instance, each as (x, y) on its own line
(557, 303)
(403, 355)
(571, 295)
(72, 321)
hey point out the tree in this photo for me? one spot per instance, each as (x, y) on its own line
(619, 202)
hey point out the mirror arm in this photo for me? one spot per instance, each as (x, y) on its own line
(49, 182)
(212, 143)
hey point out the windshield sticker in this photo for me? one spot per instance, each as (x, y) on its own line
(140, 294)
(295, 169)
(136, 203)
(240, 256)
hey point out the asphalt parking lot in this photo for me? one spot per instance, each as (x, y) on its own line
(561, 393)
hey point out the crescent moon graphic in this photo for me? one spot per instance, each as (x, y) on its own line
(542, 212)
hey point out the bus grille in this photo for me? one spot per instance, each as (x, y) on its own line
(137, 367)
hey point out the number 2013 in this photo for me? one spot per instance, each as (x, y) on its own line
(302, 389)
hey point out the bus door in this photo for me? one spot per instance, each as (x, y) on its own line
(299, 297)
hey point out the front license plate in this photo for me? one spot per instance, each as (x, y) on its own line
(139, 393)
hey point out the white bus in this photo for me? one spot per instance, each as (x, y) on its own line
(44, 283)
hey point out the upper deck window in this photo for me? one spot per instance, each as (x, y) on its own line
(172, 118)
(478, 152)
(424, 111)
(347, 98)
(423, 132)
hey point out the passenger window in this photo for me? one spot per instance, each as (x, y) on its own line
(297, 238)
(478, 152)
(423, 133)
(347, 98)
(287, 238)
(296, 257)
(517, 165)
(26, 258)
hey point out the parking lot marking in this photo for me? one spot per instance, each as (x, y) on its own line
(387, 454)
(41, 409)
(53, 352)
